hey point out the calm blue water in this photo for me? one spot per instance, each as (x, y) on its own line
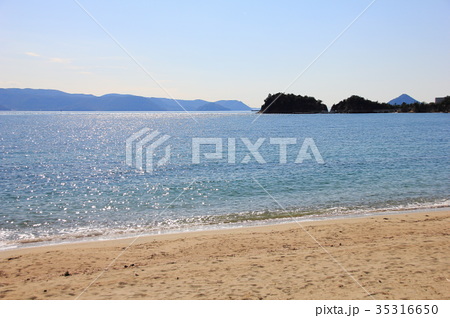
(63, 175)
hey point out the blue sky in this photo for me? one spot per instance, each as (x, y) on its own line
(217, 50)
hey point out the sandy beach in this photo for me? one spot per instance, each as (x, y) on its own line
(402, 256)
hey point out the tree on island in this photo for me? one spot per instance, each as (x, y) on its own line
(442, 107)
(292, 104)
(357, 104)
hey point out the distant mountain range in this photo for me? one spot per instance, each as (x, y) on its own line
(28, 99)
(404, 98)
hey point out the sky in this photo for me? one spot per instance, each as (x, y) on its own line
(215, 50)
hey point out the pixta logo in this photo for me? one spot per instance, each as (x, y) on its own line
(148, 141)
(307, 148)
(144, 143)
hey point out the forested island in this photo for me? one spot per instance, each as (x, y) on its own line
(357, 104)
(297, 104)
(292, 104)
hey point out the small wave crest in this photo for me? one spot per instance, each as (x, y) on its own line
(10, 239)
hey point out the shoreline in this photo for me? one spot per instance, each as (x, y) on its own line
(57, 241)
(394, 256)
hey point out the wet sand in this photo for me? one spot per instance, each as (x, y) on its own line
(402, 256)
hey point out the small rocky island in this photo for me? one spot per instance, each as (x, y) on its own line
(281, 103)
(357, 104)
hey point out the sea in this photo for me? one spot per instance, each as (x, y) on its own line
(76, 176)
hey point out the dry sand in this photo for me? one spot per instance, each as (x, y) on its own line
(404, 256)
